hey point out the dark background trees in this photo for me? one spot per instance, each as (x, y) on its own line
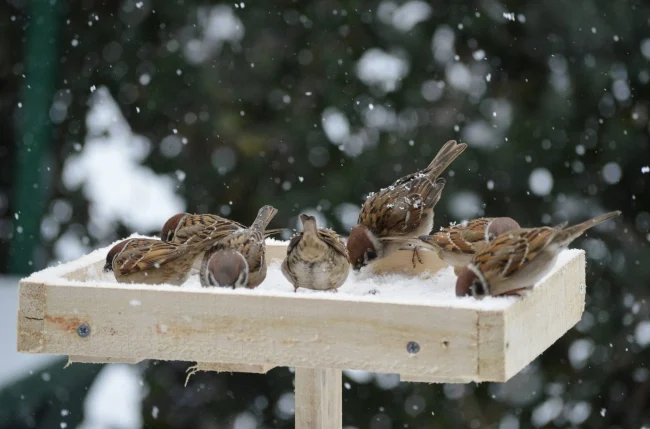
(311, 105)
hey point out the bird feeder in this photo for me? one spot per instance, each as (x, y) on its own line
(64, 311)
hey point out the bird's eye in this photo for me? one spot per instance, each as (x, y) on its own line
(477, 289)
(371, 254)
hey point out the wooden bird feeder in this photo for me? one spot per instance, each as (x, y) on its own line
(62, 312)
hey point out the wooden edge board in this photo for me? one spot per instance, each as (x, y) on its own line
(455, 344)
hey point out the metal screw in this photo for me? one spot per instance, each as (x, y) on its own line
(582, 288)
(83, 330)
(412, 347)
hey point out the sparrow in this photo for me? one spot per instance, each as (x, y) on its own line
(316, 258)
(515, 260)
(457, 244)
(203, 229)
(250, 243)
(403, 209)
(225, 268)
(142, 260)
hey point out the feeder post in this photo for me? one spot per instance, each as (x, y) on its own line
(319, 398)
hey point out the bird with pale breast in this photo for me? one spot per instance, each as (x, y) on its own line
(249, 242)
(403, 209)
(514, 261)
(149, 261)
(225, 268)
(316, 258)
(457, 244)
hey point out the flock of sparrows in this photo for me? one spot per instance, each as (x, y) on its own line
(490, 256)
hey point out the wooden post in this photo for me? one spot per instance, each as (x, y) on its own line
(319, 398)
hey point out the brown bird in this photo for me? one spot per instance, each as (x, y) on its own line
(250, 243)
(316, 258)
(186, 228)
(203, 229)
(403, 209)
(515, 260)
(142, 260)
(225, 268)
(457, 244)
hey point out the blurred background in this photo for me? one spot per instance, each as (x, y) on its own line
(117, 114)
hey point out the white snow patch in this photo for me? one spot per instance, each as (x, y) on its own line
(437, 289)
(540, 181)
(404, 17)
(376, 67)
(113, 400)
(612, 173)
(219, 25)
(642, 333)
(335, 124)
(109, 170)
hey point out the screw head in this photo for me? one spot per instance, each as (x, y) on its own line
(412, 347)
(83, 330)
(582, 288)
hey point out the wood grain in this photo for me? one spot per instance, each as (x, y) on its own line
(319, 398)
(253, 333)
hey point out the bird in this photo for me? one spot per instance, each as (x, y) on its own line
(316, 258)
(515, 260)
(151, 261)
(457, 244)
(403, 209)
(203, 229)
(225, 268)
(250, 243)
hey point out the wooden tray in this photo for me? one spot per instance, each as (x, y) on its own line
(320, 334)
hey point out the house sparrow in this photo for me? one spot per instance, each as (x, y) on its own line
(316, 258)
(403, 209)
(142, 260)
(225, 268)
(457, 244)
(250, 243)
(515, 260)
(203, 229)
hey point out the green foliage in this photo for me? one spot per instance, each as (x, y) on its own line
(556, 71)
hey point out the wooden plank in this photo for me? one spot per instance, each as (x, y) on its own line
(259, 331)
(319, 398)
(204, 326)
(511, 339)
(97, 359)
(552, 309)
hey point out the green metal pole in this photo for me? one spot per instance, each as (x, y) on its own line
(41, 65)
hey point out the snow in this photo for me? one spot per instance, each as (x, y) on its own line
(218, 25)
(437, 289)
(117, 387)
(540, 181)
(404, 17)
(386, 70)
(611, 173)
(109, 171)
(336, 125)
(642, 333)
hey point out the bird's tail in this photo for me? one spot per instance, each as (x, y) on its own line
(446, 155)
(264, 216)
(566, 235)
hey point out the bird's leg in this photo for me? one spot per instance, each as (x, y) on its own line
(295, 289)
(416, 254)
